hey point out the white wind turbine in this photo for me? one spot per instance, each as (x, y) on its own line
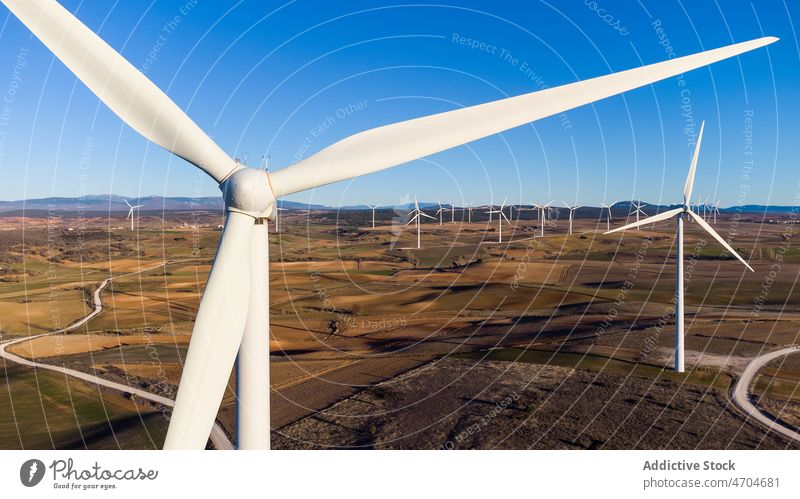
(500, 216)
(439, 212)
(469, 212)
(373, 208)
(416, 216)
(608, 214)
(278, 218)
(452, 213)
(232, 323)
(637, 210)
(679, 213)
(715, 209)
(571, 213)
(543, 210)
(131, 214)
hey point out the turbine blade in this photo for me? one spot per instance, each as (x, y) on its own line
(687, 188)
(710, 230)
(426, 215)
(655, 218)
(215, 340)
(123, 88)
(395, 144)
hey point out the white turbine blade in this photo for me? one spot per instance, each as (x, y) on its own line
(687, 188)
(710, 230)
(395, 144)
(504, 216)
(126, 202)
(130, 212)
(215, 340)
(125, 90)
(426, 215)
(655, 218)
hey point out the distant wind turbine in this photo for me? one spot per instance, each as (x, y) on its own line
(131, 215)
(637, 210)
(278, 218)
(608, 214)
(416, 216)
(373, 208)
(543, 209)
(680, 212)
(440, 212)
(500, 216)
(571, 213)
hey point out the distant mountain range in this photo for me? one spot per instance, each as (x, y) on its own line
(110, 203)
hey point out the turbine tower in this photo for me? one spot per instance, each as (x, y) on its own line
(679, 213)
(232, 323)
(416, 216)
(571, 213)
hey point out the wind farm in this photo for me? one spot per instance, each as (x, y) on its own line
(405, 323)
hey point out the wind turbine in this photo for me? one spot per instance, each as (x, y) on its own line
(373, 208)
(452, 213)
(680, 212)
(416, 215)
(500, 216)
(232, 323)
(608, 214)
(130, 211)
(439, 212)
(571, 213)
(543, 208)
(278, 218)
(637, 210)
(715, 209)
(469, 212)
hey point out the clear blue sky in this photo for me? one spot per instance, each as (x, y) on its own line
(259, 76)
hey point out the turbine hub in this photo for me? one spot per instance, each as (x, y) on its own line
(248, 191)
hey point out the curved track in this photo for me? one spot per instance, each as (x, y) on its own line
(218, 436)
(741, 392)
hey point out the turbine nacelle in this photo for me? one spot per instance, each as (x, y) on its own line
(248, 191)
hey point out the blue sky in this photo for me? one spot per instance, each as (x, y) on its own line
(259, 76)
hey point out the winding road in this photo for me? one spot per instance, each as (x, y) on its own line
(741, 392)
(218, 436)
